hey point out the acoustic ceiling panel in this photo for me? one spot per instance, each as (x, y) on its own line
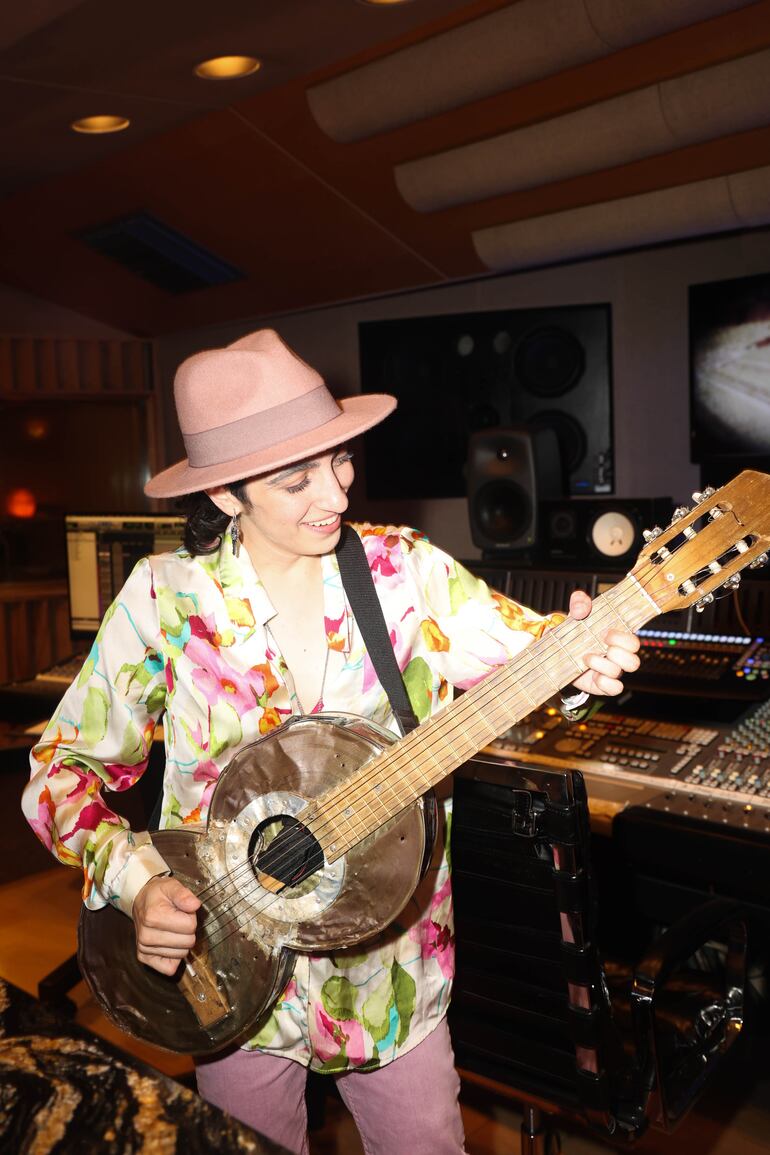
(520, 43)
(713, 102)
(624, 22)
(741, 200)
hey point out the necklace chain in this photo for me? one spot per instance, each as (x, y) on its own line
(320, 698)
(294, 694)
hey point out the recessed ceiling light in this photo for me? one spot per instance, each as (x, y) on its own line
(100, 124)
(382, 3)
(227, 67)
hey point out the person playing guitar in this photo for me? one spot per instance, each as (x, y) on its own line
(244, 629)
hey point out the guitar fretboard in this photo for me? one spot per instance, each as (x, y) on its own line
(397, 777)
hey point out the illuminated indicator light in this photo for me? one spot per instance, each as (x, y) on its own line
(21, 503)
(672, 641)
(551, 711)
(99, 125)
(227, 67)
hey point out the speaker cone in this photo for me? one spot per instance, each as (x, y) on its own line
(573, 443)
(502, 511)
(613, 534)
(549, 362)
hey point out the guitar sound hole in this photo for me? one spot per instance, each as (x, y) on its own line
(281, 848)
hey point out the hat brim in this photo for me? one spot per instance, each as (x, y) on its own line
(358, 414)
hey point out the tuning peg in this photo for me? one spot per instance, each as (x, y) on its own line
(732, 582)
(758, 562)
(706, 600)
(680, 512)
(708, 492)
(650, 534)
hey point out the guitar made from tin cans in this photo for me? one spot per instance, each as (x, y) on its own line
(317, 833)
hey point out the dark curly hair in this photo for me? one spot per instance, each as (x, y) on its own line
(205, 523)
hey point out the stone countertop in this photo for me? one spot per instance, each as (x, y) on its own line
(63, 1089)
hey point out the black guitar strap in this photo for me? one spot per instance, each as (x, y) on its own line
(359, 587)
(362, 595)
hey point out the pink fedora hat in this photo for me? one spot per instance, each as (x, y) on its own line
(252, 407)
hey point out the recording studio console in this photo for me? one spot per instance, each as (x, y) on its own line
(719, 773)
(706, 664)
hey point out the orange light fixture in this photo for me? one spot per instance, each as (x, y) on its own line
(21, 503)
(227, 67)
(36, 428)
(99, 125)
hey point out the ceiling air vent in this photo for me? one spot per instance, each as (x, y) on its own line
(159, 254)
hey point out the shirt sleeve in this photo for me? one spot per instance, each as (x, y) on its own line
(469, 628)
(98, 740)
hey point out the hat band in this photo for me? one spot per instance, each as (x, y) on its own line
(263, 430)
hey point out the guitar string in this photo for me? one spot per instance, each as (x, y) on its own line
(393, 757)
(502, 713)
(331, 795)
(529, 662)
(255, 910)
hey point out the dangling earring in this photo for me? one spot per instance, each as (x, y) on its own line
(235, 535)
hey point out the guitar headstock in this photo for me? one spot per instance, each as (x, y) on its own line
(705, 548)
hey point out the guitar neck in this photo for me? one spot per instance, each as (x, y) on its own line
(387, 784)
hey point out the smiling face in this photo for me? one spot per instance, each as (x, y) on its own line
(295, 511)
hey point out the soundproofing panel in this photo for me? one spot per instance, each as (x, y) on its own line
(653, 120)
(738, 201)
(515, 45)
(509, 471)
(601, 534)
(458, 374)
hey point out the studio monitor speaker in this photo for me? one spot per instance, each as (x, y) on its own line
(462, 373)
(601, 533)
(509, 471)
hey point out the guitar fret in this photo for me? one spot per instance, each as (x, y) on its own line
(397, 778)
(476, 731)
(640, 602)
(594, 643)
(555, 682)
(570, 657)
(340, 835)
(686, 562)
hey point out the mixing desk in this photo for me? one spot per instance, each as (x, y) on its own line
(717, 772)
(707, 664)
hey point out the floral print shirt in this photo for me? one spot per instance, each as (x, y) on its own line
(186, 642)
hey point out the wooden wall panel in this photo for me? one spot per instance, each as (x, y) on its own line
(49, 366)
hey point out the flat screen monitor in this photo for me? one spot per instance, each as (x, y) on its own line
(102, 550)
(730, 370)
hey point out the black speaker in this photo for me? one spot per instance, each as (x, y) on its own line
(509, 472)
(598, 534)
(461, 373)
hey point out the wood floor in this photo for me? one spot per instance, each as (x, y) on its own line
(38, 917)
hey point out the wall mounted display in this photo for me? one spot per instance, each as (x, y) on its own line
(730, 371)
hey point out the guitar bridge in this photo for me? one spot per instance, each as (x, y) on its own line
(199, 986)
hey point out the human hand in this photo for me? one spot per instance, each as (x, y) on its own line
(165, 922)
(604, 673)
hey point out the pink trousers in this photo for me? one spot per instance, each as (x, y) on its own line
(409, 1107)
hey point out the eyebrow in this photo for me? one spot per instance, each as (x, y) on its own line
(295, 468)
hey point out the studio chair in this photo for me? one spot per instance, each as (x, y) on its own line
(615, 1045)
